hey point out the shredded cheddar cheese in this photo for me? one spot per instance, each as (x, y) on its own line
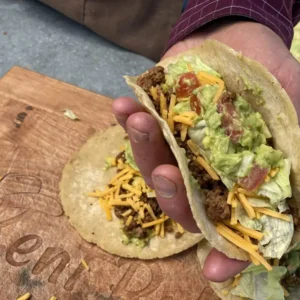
(250, 232)
(236, 281)
(183, 120)
(149, 208)
(128, 221)
(190, 68)
(233, 218)
(124, 196)
(210, 79)
(268, 178)
(157, 229)
(183, 132)
(253, 260)
(53, 298)
(273, 214)
(24, 297)
(162, 230)
(163, 103)
(193, 147)
(142, 212)
(132, 189)
(274, 172)
(120, 203)
(84, 263)
(180, 228)
(257, 214)
(127, 212)
(235, 239)
(170, 113)
(107, 212)
(120, 174)
(153, 91)
(159, 221)
(248, 208)
(165, 115)
(234, 202)
(207, 168)
(249, 194)
(189, 114)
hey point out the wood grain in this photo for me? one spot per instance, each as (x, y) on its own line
(40, 252)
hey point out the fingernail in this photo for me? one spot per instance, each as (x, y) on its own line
(138, 136)
(164, 187)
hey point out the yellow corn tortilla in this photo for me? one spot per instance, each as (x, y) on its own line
(243, 76)
(84, 173)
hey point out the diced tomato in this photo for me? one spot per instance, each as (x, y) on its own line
(195, 104)
(230, 118)
(255, 178)
(187, 83)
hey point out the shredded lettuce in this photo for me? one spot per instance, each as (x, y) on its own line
(259, 284)
(243, 218)
(246, 164)
(278, 235)
(181, 66)
(198, 132)
(129, 156)
(278, 188)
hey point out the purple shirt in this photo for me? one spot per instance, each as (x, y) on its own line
(279, 15)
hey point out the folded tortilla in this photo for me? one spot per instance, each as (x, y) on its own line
(85, 173)
(242, 76)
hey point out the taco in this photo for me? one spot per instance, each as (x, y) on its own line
(256, 283)
(234, 133)
(109, 204)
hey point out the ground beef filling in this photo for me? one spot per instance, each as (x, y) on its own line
(135, 230)
(155, 76)
(215, 192)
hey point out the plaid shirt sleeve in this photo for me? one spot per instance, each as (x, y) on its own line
(279, 15)
(296, 12)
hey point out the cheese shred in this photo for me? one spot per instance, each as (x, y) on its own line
(273, 214)
(236, 239)
(183, 120)
(193, 147)
(248, 208)
(250, 232)
(24, 297)
(149, 224)
(207, 168)
(128, 221)
(183, 132)
(84, 263)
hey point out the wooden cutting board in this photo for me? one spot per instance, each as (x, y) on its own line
(40, 252)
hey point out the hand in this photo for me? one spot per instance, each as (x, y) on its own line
(153, 155)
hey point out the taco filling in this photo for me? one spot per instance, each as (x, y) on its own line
(228, 147)
(283, 282)
(128, 198)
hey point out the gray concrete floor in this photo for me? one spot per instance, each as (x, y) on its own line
(38, 38)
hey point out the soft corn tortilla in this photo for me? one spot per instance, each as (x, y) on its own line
(243, 76)
(83, 174)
